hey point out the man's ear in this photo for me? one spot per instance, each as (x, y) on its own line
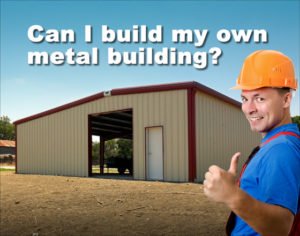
(287, 99)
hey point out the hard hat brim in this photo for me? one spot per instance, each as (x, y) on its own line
(243, 87)
(249, 87)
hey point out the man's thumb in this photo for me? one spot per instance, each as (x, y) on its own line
(234, 163)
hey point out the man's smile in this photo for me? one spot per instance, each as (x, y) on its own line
(256, 118)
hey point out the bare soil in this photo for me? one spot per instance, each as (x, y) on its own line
(54, 205)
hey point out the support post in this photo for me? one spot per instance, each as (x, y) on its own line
(90, 145)
(102, 141)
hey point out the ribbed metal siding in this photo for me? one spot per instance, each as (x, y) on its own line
(57, 144)
(221, 131)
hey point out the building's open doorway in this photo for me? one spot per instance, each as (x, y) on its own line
(110, 143)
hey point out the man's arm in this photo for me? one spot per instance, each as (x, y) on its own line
(264, 218)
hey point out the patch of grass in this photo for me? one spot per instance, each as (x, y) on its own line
(6, 169)
(96, 170)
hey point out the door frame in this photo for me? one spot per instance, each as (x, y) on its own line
(163, 150)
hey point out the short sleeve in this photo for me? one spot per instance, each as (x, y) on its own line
(279, 177)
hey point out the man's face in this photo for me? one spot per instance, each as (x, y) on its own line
(264, 108)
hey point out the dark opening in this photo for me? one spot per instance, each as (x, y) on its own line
(111, 143)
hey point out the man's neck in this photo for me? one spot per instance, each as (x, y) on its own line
(286, 121)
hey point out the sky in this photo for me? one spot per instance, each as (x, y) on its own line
(30, 89)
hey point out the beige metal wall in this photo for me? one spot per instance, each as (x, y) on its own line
(221, 130)
(57, 144)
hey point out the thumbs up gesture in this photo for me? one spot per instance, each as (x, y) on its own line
(234, 164)
(220, 184)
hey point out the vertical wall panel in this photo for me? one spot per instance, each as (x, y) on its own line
(221, 131)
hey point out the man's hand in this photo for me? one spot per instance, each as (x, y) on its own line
(219, 184)
(266, 219)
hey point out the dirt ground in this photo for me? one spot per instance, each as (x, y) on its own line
(54, 205)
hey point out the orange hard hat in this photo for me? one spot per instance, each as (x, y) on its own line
(266, 68)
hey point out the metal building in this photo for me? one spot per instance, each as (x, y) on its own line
(178, 131)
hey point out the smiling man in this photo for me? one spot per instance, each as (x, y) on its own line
(265, 200)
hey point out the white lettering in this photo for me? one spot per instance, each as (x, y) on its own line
(201, 37)
(52, 35)
(263, 34)
(114, 58)
(57, 58)
(31, 33)
(241, 35)
(108, 35)
(223, 36)
(88, 33)
(38, 58)
(182, 35)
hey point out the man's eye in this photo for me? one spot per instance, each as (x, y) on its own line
(244, 99)
(259, 99)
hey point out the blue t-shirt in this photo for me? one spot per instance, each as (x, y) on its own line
(273, 174)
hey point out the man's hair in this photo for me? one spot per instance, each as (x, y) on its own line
(283, 90)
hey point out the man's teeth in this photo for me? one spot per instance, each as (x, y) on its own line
(255, 118)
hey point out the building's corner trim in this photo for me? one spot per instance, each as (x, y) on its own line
(191, 93)
(16, 151)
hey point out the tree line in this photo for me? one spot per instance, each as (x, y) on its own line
(7, 129)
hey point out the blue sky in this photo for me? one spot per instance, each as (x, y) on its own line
(27, 90)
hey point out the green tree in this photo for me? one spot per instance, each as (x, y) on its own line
(125, 148)
(110, 148)
(296, 120)
(95, 153)
(7, 130)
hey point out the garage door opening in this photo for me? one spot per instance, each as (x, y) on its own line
(110, 144)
